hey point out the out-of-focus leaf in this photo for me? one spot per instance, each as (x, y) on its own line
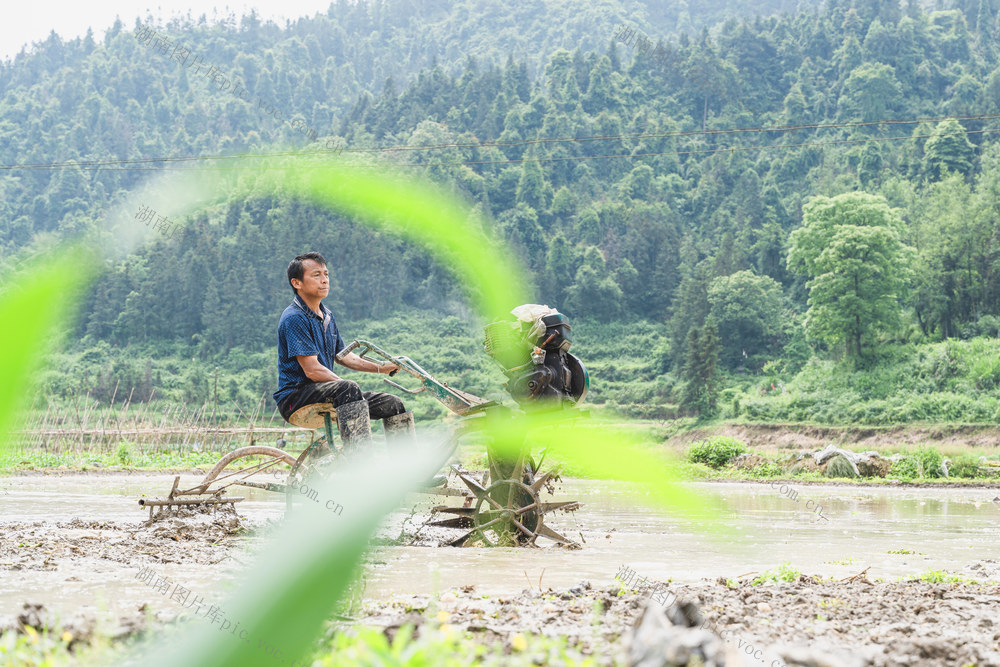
(38, 300)
(603, 452)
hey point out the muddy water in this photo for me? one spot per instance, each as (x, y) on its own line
(856, 527)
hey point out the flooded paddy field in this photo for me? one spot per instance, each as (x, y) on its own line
(75, 542)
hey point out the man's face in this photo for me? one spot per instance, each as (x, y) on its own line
(315, 283)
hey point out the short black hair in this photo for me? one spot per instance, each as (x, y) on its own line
(295, 269)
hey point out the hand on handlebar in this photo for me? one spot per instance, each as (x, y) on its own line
(389, 368)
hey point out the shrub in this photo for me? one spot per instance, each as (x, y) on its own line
(905, 468)
(124, 454)
(930, 462)
(768, 469)
(965, 466)
(716, 451)
(925, 462)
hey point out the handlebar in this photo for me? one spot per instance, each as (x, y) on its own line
(368, 348)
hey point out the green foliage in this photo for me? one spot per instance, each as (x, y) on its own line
(943, 577)
(748, 311)
(784, 572)
(923, 463)
(907, 468)
(66, 271)
(124, 454)
(850, 246)
(700, 374)
(940, 382)
(948, 150)
(965, 467)
(716, 451)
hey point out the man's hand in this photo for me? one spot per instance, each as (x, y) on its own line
(356, 363)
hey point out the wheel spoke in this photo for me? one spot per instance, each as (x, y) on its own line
(569, 505)
(526, 508)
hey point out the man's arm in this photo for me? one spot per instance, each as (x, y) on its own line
(314, 370)
(317, 372)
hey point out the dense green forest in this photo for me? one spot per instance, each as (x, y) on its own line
(761, 194)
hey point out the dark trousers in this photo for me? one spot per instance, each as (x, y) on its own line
(339, 392)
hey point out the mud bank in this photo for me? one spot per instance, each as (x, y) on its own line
(808, 437)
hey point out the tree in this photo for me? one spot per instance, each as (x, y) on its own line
(747, 310)
(851, 248)
(871, 91)
(948, 149)
(595, 292)
(700, 393)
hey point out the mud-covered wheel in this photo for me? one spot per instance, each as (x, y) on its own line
(506, 515)
(255, 474)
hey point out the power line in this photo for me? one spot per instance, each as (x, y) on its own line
(108, 164)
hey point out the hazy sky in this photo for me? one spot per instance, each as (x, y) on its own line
(33, 20)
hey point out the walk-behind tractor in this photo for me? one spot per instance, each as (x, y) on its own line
(501, 506)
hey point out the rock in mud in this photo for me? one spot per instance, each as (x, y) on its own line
(874, 467)
(657, 641)
(748, 461)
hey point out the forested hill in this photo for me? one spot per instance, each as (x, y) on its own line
(689, 219)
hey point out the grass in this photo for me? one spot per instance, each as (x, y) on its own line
(105, 461)
(943, 577)
(784, 572)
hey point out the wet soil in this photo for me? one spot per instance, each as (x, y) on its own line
(856, 622)
(184, 536)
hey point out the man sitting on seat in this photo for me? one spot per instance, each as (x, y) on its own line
(308, 343)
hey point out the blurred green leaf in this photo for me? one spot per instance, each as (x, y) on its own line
(38, 301)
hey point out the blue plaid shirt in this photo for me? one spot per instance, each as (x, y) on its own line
(302, 332)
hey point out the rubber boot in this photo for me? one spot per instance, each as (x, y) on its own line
(400, 428)
(400, 431)
(355, 426)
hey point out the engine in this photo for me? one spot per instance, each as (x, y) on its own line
(534, 353)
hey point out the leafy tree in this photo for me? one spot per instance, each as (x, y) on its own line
(700, 393)
(850, 246)
(948, 149)
(747, 311)
(594, 292)
(871, 92)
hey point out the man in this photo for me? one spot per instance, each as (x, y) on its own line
(308, 343)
